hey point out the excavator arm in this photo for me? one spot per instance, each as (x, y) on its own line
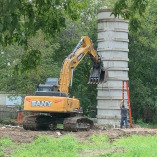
(84, 47)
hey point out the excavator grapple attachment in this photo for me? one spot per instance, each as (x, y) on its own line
(77, 124)
(97, 74)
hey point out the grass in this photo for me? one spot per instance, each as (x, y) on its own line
(135, 146)
(60, 126)
(66, 146)
(96, 142)
(146, 125)
(7, 121)
(96, 145)
(5, 143)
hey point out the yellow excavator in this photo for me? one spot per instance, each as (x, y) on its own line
(52, 103)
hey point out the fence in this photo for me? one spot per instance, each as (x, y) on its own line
(8, 112)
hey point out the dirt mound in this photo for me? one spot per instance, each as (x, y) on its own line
(19, 135)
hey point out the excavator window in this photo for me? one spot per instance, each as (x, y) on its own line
(51, 81)
(44, 89)
(49, 90)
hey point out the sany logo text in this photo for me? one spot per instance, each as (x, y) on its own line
(42, 103)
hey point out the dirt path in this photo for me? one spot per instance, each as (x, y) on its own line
(19, 135)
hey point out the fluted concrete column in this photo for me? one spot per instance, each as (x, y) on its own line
(113, 48)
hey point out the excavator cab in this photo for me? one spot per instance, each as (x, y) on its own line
(48, 90)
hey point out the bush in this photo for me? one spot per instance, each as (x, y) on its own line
(8, 121)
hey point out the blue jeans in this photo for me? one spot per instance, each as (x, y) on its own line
(122, 122)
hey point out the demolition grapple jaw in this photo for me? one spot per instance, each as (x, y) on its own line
(98, 75)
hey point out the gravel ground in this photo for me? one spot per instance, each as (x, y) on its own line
(19, 135)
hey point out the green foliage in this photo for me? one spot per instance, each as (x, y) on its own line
(96, 145)
(96, 142)
(143, 67)
(99, 138)
(8, 121)
(20, 20)
(31, 59)
(40, 65)
(4, 144)
(60, 126)
(146, 125)
(130, 9)
(66, 146)
(146, 146)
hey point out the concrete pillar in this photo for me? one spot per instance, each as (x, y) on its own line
(113, 48)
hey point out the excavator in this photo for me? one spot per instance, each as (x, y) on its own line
(52, 103)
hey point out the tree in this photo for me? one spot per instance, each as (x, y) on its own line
(143, 67)
(20, 20)
(27, 81)
(130, 9)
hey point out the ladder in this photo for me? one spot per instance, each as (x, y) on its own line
(129, 106)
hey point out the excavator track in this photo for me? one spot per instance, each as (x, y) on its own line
(39, 122)
(77, 124)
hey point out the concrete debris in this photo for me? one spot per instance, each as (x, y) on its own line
(12, 126)
(58, 133)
